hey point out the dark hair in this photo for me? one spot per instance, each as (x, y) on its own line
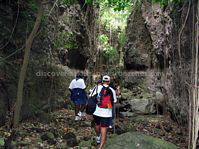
(99, 81)
(79, 75)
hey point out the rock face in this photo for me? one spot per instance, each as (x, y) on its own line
(168, 40)
(137, 51)
(171, 43)
(159, 25)
(136, 140)
(176, 88)
(63, 39)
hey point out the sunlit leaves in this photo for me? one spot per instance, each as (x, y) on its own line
(88, 1)
(118, 5)
(108, 51)
(114, 19)
(122, 38)
(103, 39)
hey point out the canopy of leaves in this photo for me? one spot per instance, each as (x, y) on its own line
(113, 21)
(117, 5)
(108, 50)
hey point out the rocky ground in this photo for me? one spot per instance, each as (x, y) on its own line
(63, 132)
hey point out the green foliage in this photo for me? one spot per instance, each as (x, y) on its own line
(65, 40)
(2, 142)
(68, 2)
(30, 8)
(103, 39)
(115, 20)
(108, 51)
(88, 1)
(118, 5)
(122, 38)
(32, 5)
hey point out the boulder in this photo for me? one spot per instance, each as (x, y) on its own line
(71, 139)
(137, 100)
(47, 136)
(137, 140)
(142, 106)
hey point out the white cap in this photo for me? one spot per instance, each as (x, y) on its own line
(106, 78)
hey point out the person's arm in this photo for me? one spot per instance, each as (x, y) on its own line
(99, 88)
(83, 85)
(71, 86)
(114, 95)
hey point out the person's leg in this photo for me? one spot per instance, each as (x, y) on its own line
(76, 109)
(103, 136)
(83, 104)
(105, 123)
(97, 130)
(97, 127)
(82, 109)
(98, 133)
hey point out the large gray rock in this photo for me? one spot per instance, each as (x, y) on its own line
(136, 140)
(144, 105)
(140, 101)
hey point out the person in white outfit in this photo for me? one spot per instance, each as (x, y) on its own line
(78, 95)
(103, 113)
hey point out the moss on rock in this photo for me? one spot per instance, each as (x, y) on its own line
(136, 140)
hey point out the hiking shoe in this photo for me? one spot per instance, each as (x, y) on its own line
(111, 125)
(77, 118)
(98, 140)
(79, 114)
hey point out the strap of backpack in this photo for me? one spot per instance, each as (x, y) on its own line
(103, 88)
(112, 99)
(101, 92)
(96, 88)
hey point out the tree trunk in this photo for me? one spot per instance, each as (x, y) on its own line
(25, 64)
(121, 57)
(195, 89)
(193, 129)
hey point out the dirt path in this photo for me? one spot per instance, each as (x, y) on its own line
(64, 132)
